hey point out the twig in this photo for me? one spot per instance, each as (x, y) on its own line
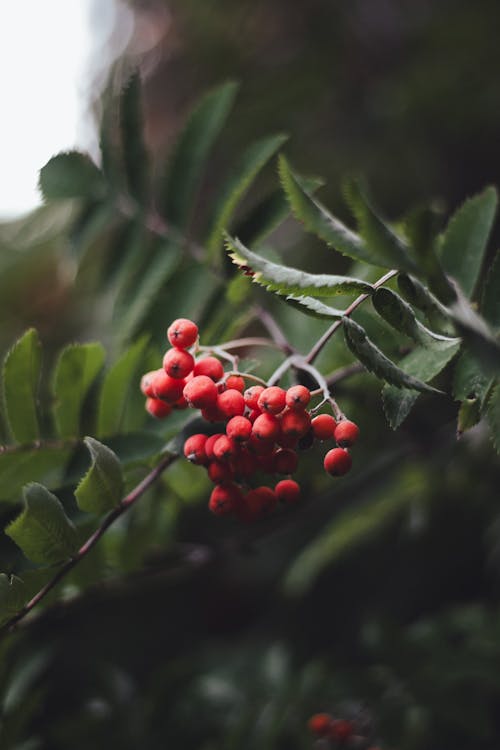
(275, 331)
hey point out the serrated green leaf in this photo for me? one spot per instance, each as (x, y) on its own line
(423, 363)
(12, 596)
(45, 465)
(493, 415)
(135, 156)
(386, 248)
(21, 374)
(469, 380)
(490, 302)
(399, 314)
(318, 220)
(376, 361)
(43, 531)
(71, 175)
(314, 307)
(101, 488)
(190, 153)
(469, 414)
(116, 387)
(466, 237)
(420, 297)
(285, 280)
(251, 163)
(76, 369)
(421, 229)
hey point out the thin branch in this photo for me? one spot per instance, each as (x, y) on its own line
(63, 571)
(274, 330)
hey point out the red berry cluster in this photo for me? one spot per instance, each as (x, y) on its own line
(264, 426)
(340, 733)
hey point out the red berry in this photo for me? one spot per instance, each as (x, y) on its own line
(297, 397)
(219, 472)
(209, 366)
(224, 448)
(252, 396)
(346, 433)
(235, 382)
(341, 730)
(200, 392)
(224, 499)
(287, 491)
(212, 414)
(178, 363)
(167, 388)
(295, 423)
(285, 461)
(244, 464)
(209, 445)
(323, 426)
(337, 462)
(320, 724)
(158, 408)
(272, 399)
(239, 428)
(231, 403)
(266, 427)
(194, 449)
(260, 502)
(259, 446)
(182, 333)
(147, 383)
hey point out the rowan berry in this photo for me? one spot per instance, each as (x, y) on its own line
(297, 397)
(224, 499)
(178, 363)
(272, 400)
(182, 333)
(212, 414)
(244, 464)
(209, 366)
(219, 472)
(287, 441)
(260, 446)
(200, 392)
(194, 449)
(295, 423)
(209, 445)
(285, 461)
(341, 730)
(167, 388)
(158, 408)
(147, 383)
(224, 448)
(260, 502)
(251, 396)
(287, 491)
(236, 383)
(231, 403)
(323, 426)
(346, 433)
(337, 462)
(266, 427)
(320, 724)
(239, 428)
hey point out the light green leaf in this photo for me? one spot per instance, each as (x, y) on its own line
(190, 153)
(469, 415)
(386, 248)
(21, 374)
(420, 297)
(12, 596)
(376, 361)
(135, 156)
(399, 314)
(466, 237)
(493, 414)
(285, 280)
(71, 175)
(44, 464)
(314, 307)
(318, 220)
(76, 369)
(423, 363)
(101, 488)
(490, 302)
(43, 531)
(118, 383)
(251, 163)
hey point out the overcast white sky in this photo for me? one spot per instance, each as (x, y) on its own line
(44, 64)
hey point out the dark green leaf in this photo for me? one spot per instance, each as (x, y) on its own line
(317, 219)
(493, 414)
(251, 163)
(469, 380)
(135, 156)
(314, 307)
(376, 361)
(101, 488)
(12, 596)
(466, 237)
(477, 335)
(421, 229)
(45, 464)
(21, 373)
(420, 297)
(399, 314)
(76, 369)
(490, 303)
(285, 280)
(43, 531)
(71, 175)
(191, 152)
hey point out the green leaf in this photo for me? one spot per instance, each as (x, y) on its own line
(101, 488)
(318, 220)
(399, 314)
(285, 280)
(476, 333)
(386, 248)
(43, 531)
(76, 369)
(376, 361)
(71, 175)
(314, 307)
(135, 156)
(466, 237)
(493, 414)
(421, 229)
(469, 380)
(469, 415)
(251, 163)
(423, 363)
(45, 464)
(12, 596)
(21, 374)
(118, 383)
(420, 297)
(490, 302)
(190, 153)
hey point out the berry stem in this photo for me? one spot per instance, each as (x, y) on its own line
(247, 376)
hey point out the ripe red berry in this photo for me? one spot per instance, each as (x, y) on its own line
(212, 414)
(167, 388)
(231, 403)
(182, 333)
(224, 448)
(178, 363)
(219, 472)
(239, 429)
(200, 392)
(266, 427)
(297, 397)
(194, 449)
(272, 399)
(147, 383)
(341, 730)
(244, 464)
(252, 396)
(320, 724)
(337, 462)
(158, 408)
(295, 423)
(260, 446)
(224, 499)
(235, 382)
(259, 503)
(285, 461)
(346, 433)
(209, 445)
(287, 491)
(209, 366)
(323, 426)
